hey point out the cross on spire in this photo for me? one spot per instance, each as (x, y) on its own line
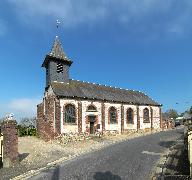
(58, 22)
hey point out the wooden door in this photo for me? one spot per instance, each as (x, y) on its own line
(91, 127)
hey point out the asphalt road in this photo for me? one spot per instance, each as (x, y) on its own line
(128, 160)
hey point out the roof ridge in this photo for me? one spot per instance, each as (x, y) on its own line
(108, 86)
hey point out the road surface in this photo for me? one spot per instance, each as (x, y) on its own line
(129, 160)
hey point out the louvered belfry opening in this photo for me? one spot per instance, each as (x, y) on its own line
(59, 68)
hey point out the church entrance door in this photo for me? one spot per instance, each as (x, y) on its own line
(91, 127)
(92, 121)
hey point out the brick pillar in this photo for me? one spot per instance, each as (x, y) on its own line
(151, 109)
(160, 116)
(10, 143)
(138, 118)
(57, 116)
(103, 116)
(79, 117)
(122, 118)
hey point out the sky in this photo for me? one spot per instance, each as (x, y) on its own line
(142, 45)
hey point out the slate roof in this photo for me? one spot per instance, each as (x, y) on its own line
(57, 53)
(100, 92)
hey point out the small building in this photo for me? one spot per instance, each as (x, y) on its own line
(187, 118)
(77, 106)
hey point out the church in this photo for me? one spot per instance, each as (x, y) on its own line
(72, 106)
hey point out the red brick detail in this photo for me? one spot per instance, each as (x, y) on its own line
(138, 118)
(160, 115)
(57, 116)
(122, 118)
(96, 123)
(10, 142)
(48, 124)
(79, 117)
(88, 124)
(103, 116)
(151, 109)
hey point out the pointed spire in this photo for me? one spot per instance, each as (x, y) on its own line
(57, 53)
(57, 50)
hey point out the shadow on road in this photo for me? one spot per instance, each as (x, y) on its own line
(166, 144)
(106, 176)
(56, 173)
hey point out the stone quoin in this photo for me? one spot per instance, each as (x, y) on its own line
(77, 106)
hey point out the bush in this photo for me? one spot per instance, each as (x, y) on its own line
(26, 131)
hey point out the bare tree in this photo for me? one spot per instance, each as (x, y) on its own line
(172, 113)
(28, 122)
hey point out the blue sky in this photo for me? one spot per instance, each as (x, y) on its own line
(142, 45)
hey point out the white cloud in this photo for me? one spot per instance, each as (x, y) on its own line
(24, 107)
(168, 16)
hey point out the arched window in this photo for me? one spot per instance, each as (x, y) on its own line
(130, 116)
(70, 114)
(91, 108)
(112, 115)
(145, 115)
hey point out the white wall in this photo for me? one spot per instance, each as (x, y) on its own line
(116, 127)
(156, 117)
(66, 128)
(85, 103)
(85, 113)
(142, 124)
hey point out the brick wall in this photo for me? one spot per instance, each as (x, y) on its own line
(122, 118)
(57, 116)
(103, 116)
(48, 118)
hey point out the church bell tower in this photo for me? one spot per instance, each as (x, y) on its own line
(57, 64)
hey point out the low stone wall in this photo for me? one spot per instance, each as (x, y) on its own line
(72, 137)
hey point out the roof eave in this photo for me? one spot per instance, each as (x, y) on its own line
(96, 99)
(48, 58)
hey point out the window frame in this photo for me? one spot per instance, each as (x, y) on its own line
(132, 115)
(74, 115)
(146, 119)
(109, 114)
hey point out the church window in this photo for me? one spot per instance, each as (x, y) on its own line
(146, 115)
(130, 115)
(70, 114)
(91, 108)
(112, 115)
(59, 68)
